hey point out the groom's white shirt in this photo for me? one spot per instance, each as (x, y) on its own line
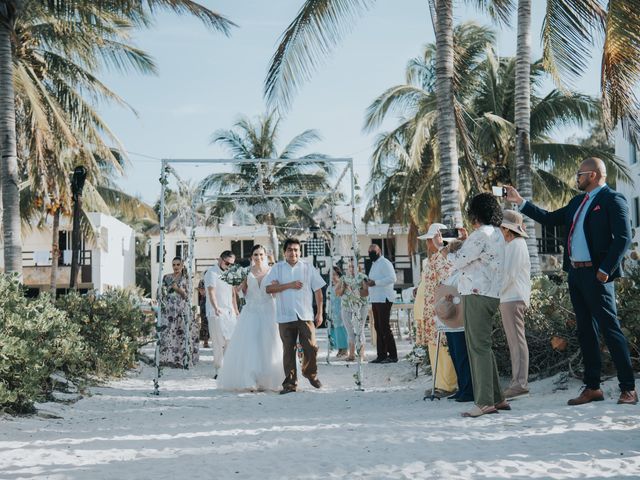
(292, 304)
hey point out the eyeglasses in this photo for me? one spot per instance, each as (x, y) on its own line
(227, 262)
(583, 173)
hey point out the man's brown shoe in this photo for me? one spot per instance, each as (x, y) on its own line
(628, 397)
(588, 395)
(314, 382)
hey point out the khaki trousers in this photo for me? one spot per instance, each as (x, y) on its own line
(512, 314)
(478, 315)
(446, 378)
(290, 332)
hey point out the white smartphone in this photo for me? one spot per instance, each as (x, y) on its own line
(499, 191)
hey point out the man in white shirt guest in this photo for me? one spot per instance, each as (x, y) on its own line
(222, 308)
(294, 284)
(382, 277)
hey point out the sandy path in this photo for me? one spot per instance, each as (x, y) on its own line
(195, 431)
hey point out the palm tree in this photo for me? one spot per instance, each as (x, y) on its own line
(320, 25)
(449, 179)
(522, 121)
(78, 17)
(569, 31)
(11, 237)
(404, 164)
(261, 182)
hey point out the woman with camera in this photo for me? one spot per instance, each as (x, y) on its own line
(480, 262)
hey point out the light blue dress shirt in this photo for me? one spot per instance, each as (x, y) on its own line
(579, 247)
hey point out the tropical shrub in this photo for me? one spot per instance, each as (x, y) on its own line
(551, 327)
(112, 325)
(36, 340)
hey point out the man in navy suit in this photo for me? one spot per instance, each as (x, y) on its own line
(598, 235)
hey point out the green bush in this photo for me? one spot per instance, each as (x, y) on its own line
(550, 327)
(112, 325)
(36, 340)
(628, 296)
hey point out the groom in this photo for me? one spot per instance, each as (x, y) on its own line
(294, 284)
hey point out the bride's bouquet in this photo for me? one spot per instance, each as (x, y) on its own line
(235, 275)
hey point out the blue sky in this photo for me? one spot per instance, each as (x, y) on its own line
(207, 81)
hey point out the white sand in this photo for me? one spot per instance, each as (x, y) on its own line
(388, 431)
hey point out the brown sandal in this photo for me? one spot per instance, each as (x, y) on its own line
(477, 411)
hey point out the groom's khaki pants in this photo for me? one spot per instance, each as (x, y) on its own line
(289, 333)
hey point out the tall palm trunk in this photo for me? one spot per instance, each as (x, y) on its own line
(12, 242)
(273, 237)
(55, 252)
(522, 121)
(449, 176)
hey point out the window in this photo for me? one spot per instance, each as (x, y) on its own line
(551, 240)
(242, 248)
(388, 247)
(633, 154)
(158, 253)
(182, 250)
(636, 212)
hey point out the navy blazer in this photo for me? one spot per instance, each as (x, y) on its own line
(607, 227)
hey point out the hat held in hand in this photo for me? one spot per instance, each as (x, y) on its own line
(448, 306)
(434, 228)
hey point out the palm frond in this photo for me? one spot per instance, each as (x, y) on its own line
(307, 41)
(621, 68)
(568, 31)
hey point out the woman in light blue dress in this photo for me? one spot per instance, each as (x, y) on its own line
(337, 333)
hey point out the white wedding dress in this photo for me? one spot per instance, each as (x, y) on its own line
(253, 360)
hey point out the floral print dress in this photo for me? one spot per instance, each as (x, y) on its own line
(436, 270)
(174, 314)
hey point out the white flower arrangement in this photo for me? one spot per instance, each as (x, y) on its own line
(417, 355)
(235, 275)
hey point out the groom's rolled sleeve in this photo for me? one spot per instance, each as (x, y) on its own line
(317, 281)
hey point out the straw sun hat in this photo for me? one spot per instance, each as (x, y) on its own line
(513, 221)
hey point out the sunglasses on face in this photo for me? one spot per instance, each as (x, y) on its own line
(227, 263)
(578, 174)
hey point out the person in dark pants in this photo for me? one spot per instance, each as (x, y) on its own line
(204, 323)
(598, 235)
(382, 277)
(458, 351)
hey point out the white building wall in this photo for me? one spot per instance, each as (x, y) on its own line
(631, 190)
(113, 258)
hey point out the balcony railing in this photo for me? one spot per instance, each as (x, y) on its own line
(42, 258)
(550, 245)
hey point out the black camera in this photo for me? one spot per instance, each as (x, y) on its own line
(450, 233)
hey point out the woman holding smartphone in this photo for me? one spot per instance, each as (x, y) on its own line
(480, 262)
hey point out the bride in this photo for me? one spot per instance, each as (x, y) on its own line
(253, 360)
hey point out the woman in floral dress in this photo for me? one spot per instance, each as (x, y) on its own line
(175, 309)
(435, 269)
(354, 292)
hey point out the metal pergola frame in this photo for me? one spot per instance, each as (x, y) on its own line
(167, 169)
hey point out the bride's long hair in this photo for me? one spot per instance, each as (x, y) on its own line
(255, 248)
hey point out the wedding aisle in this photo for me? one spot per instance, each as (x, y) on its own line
(193, 431)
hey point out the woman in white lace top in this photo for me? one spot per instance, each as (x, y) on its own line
(480, 261)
